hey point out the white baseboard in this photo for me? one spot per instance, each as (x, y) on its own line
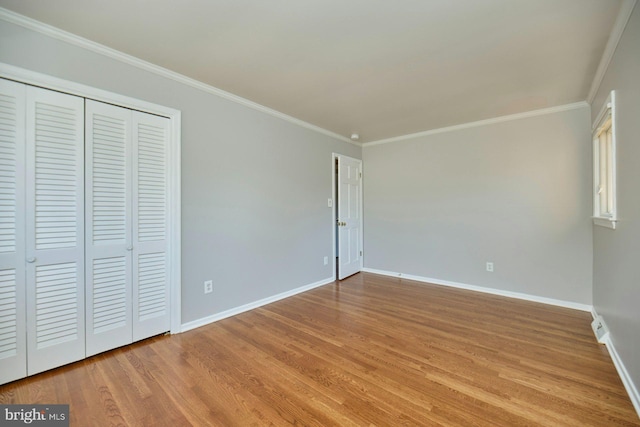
(631, 388)
(500, 292)
(246, 307)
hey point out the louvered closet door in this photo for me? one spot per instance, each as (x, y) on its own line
(13, 353)
(108, 226)
(151, 315)
(55, 229)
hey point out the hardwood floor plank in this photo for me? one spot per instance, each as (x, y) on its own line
(370, 350)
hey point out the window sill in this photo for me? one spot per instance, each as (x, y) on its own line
(605, 222)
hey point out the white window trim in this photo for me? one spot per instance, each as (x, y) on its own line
(607, 111)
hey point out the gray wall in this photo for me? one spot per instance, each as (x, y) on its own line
(616, 253)
(515, 193)
(254, 187)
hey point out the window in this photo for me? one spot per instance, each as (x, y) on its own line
(604, 165)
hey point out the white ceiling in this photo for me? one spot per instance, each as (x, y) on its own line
(381, 68)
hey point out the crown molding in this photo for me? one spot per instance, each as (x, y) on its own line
(614, 38)
(501, 119)
(621, 21)
(48, 30)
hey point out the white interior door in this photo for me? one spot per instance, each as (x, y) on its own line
(13, 333)
(109, 186)
(349, 216)
(151, 308)
(54, 229)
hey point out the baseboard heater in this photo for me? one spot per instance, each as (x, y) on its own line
(600, 329)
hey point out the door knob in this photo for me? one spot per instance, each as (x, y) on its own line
(129, 248)
(31, 260)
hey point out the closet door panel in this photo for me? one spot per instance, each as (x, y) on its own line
(54, 229)
(108, 226)
(151, 314)
(13, 353)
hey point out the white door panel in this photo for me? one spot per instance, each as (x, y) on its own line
(13, 334)
(108, 226)
(151, 314)
(349, 216)
(55, 229)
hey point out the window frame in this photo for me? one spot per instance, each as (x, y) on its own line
(604, 165)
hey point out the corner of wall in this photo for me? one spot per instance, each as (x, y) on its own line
(627, 381)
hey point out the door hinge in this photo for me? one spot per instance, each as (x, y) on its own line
(360, 253)
(360, 175)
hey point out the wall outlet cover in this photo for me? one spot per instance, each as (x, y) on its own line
(208, 286)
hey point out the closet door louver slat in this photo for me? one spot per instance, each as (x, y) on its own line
(8, 314)
(57, 313)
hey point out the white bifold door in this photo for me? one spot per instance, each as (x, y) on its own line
(41, 229)
(83, 228)
(126, 226)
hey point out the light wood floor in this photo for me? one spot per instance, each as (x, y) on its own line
(370, 350)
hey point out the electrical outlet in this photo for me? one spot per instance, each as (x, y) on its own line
(208, 286)
(326, 260)
(490, 267)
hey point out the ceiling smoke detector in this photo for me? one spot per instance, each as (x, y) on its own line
(355, 137)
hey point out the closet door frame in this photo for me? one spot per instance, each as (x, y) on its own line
(174, 198)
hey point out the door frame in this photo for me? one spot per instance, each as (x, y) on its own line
(334, 214)
(173, 155)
